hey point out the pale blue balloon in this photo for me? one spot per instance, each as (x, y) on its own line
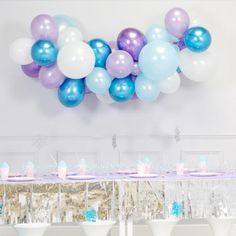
(158, 60)
(156, 32)
(98, 81)
(146, 90)
(64, 21)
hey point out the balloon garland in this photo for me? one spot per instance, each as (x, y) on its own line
(137, 65)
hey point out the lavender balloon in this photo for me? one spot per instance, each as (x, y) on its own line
(51, 77)
(132, 41)
(177, 22)
(119, 64)
(44, 27)
(31, 70)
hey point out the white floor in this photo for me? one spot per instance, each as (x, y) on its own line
(139, 230)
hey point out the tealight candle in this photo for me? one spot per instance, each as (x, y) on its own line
(62, 169)
(4, 169)
(29, 168)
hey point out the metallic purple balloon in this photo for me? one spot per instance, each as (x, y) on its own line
(119, 64)
(44, 27)
(177, 22)
(31, 70)
(180, 44)
(132, 41)
(51, 77)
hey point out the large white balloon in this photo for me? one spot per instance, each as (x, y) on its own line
(171, 84)
(20, 51)
(76, 60)
(197, 66)
(105, 98)
(69, 35)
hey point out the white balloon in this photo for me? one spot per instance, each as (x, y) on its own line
(171, 84)
(76, 60)
(69, 35)
(20, 51)
(197, 66)
(105, 98)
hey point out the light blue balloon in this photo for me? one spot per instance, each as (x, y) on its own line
(64, 21)
(156, 32)
(44, 52)
(158, 60)
(197, 39)
(98, 81)
(71, 92)
(146, 90)
(122, 90)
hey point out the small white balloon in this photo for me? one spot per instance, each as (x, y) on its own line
(20, 51)
(69, 35)
(171, 84)
(105, 98)
(76, 60)
(197, 66)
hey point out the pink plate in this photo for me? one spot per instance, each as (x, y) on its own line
(21, 179)
(137, 176)
(80, 177)
(205, 174)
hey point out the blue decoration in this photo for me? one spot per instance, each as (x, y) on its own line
(176, 209)
(101, 50)
(71, 92)
(122, 90)
(90, 215)
(197, 39)
(158, 60)
(146, 90)
(44, 52)
(98, 81)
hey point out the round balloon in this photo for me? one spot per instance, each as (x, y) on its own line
(76, 60)
(197, 66)
(171, 84)
(101, 50)
(31, 70)
(156, 32)
(51, 77)
(63, 22)
(44, 27)
(105, 98)
(132, 41)
(119, 64)
(71, 92)
(98, 81)
(197, 39)
(20, 51)
(122, 90)
(177, 22)
(44, 52)
(69, 35)
(158, 60)
(145, 89)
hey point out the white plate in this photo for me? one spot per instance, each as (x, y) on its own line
(205, 174)
(143, 176)
(20, 179)
(81, 177)
(126, 172)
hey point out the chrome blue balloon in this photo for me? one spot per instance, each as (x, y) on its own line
(44, 52)
(122, 90)
(197, 39)
(101, 50)
(71, 92)
(90, 215)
